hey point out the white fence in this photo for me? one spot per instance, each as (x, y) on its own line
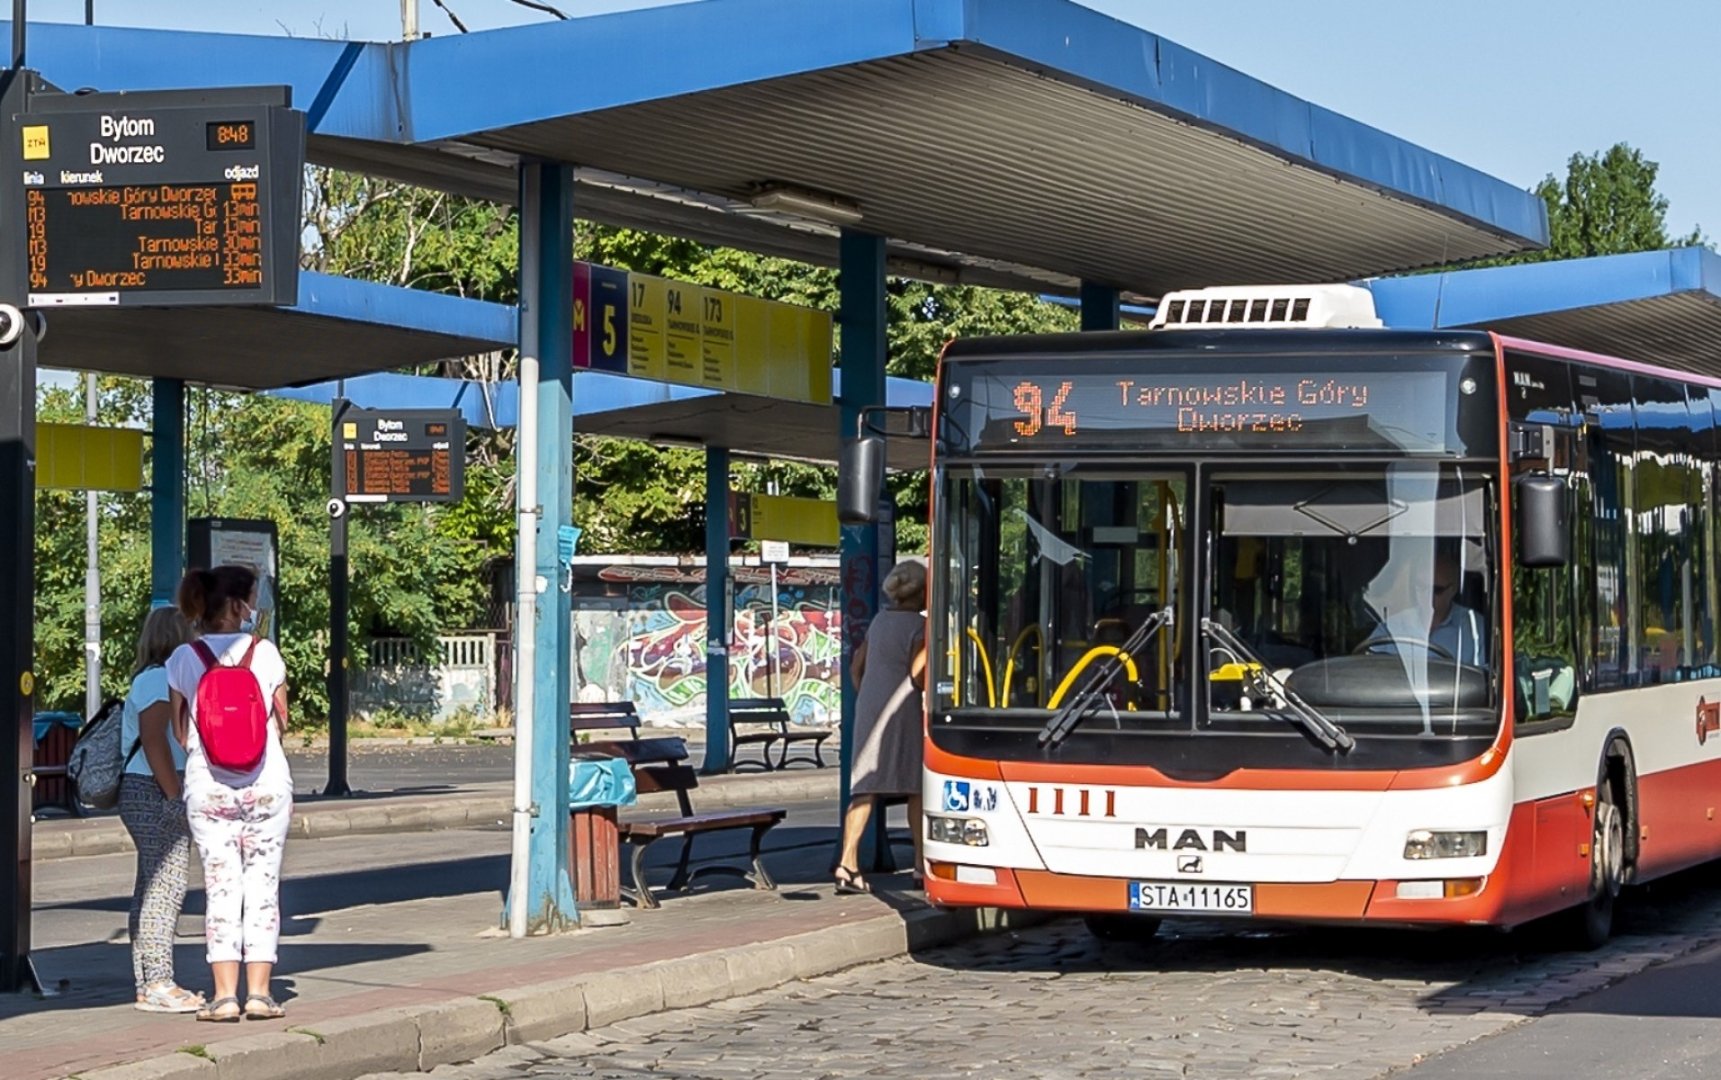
(399, 678)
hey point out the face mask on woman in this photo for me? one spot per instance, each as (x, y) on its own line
(248, 623)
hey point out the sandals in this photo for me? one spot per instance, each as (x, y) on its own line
(263, 1007)
(215, 1012)
(168, 998)
(849, 882)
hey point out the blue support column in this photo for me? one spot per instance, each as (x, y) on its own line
(719, 609)
(546, 331)
(166, 491)
(1099, 307)
(862, 320)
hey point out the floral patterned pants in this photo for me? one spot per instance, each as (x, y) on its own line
(157, 829)
(241, 834)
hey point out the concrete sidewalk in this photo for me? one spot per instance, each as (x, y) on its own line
(467, 806)
(420, 977)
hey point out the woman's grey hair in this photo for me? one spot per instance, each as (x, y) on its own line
(905, 582)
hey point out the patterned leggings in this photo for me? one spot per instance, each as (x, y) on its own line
(158, 831)
(241, 834)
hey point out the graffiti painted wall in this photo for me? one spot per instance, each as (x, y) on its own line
(639, 635)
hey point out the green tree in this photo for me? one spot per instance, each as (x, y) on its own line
(1606, 205)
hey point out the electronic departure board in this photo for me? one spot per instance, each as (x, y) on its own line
(158, 198)
(402, 455)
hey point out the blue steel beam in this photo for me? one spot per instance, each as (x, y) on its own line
(166, 491)
(546, 331)
(861, 283)
(355, 90)
(719, 607)
(484, 324)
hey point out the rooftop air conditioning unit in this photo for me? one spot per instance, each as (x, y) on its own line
(1267, 307)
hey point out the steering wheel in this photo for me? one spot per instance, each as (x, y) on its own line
(1422, 643)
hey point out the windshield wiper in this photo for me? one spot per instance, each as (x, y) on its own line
(1092, 689)
(1310, 719)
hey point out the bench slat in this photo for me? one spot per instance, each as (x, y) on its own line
(697, 823)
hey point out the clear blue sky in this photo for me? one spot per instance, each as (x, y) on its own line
(1509, 86)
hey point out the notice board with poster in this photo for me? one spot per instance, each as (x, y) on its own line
(254, 544)
(157, 198)
(399, 455)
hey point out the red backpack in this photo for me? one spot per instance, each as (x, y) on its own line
(232, 715)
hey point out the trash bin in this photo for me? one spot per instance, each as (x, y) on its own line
(55, 733)
(596, 787)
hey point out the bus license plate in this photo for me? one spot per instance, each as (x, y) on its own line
(1183, 896)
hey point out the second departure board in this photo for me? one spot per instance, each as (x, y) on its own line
(161, 199)
(399, 455)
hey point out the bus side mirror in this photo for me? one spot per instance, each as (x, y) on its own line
(860, 479)
(1543, 521)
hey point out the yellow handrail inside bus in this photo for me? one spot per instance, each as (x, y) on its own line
(1016, 647)
(1095, 653)
(985, 669)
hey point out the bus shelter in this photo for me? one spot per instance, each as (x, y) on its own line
(1031, 145)
(1655, 307)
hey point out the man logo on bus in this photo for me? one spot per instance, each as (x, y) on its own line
(1708, 719)
(1192, 840)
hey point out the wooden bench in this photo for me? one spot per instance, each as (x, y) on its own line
(602, 716)
(769, 720)
(661, 765)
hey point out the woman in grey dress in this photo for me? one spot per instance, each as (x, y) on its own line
(890, 669)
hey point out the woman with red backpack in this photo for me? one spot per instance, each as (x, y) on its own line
(231, 688)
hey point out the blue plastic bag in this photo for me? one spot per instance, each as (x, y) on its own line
(600, 782)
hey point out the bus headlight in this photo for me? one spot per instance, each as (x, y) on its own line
(970, 832)
(1433, 844)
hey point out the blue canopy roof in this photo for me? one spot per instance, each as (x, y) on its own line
(339, 326)
(606, 404)
(1025, 143)
(1656, 307)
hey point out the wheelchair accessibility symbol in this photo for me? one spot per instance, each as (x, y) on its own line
(966, 797)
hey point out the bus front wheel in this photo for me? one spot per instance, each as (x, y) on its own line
(1592, 923)
(1121, 929)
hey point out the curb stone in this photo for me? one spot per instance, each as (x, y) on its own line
(469, 1028)
(106, 836)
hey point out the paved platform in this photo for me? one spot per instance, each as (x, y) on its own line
(390, 953)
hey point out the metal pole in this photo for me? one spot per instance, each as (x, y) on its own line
(92, 573)
(19, 21)
(89, 12)
(17, 590)
(776, 687)
(409, 20)
(339, 598)
(525, 634)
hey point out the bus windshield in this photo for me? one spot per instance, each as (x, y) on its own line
(1367, 593)
(1046, 573)
(1358, 600)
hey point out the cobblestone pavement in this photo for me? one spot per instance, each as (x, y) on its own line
(1202, 1000)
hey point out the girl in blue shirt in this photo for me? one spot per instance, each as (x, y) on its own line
(152, 807)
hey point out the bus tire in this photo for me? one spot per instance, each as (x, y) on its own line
(1592, 921)
(1122, 929)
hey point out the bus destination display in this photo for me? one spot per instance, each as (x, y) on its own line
(1403, 410)
(127, 202)
(406, 455)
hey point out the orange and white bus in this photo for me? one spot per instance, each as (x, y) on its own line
(1268, 612)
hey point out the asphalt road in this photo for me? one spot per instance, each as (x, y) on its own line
(1209, 999)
